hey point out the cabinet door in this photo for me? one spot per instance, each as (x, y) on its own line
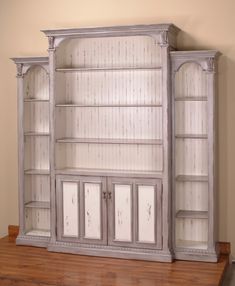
(81, 209)
(135, 213)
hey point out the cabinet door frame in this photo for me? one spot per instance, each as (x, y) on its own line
(81, 181)
(111, 208)
(134, 183)
(157, 184)
(103, 209)
(60, 210)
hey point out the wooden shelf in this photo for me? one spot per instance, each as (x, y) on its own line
(192, 214)
(107, 105)
(108, 172)
(36, 134)
(191, 178)
(38, 205)
(38, 232)
(35, 100)
(37, 172)
(191, 136)
(191, 98)
(191, 244)
(104, 69)
(110, 141)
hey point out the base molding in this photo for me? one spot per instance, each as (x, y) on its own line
(108, 252)
(32, 241)
(224, 248)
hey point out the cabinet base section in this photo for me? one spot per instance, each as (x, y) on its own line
(37, 241)
(110, 251)
(196, 256)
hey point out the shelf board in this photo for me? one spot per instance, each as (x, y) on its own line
(106, 172)
(191, 244)
(107, 105)
(35, 100)
(191, 136)
(37, 172)
(36, 134)
(38, 232)
(191, 178)
(110, 141)
(38, 205)
(191, 98)
(192, 214)
(104, 69)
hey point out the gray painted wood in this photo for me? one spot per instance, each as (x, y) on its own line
(164, 248)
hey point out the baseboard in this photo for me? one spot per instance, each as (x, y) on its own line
(13, 231)
(224, 248)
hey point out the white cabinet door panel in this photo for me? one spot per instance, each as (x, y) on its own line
(123, 216)
(146, 214)
(70, 209)
(92, 214)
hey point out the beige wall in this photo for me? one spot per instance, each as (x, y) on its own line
(206, 24)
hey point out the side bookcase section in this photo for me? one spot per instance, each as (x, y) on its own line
(34, 165)
(193, 109)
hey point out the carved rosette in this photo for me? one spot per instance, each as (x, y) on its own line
(19, 68)
(210, 65)
(51, 43)
(164, 38)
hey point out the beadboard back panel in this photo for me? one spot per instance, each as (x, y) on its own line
(115, 52)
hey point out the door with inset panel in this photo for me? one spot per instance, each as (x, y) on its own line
(81, 209)
(135, 212)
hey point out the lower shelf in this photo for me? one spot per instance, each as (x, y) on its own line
(191, 244)
(38, 232)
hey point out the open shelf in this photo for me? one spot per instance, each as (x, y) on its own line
(37, 172)
(191, 136)
(191, 98)
(39, 205)
(35, 100)
(192, 214)
(191, 244)
(36, 134)
(107, 105)
(191, 178)
(110, 141)
(103, 69)
(38, 232)
(108, 172)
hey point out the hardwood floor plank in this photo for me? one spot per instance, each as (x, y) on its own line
(31, 266)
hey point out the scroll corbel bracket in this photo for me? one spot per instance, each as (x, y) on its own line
(51, 41)
(164, 39)
(19, 68)
(210, 65)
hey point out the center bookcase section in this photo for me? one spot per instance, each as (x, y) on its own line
(109, 104)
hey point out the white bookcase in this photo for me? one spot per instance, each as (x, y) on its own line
(118, 161)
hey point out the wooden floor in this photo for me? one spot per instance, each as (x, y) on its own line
(27, 266)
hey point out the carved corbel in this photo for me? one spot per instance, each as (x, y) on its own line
(210, 65)
(51, 42)
(19, 68)
(164, 38)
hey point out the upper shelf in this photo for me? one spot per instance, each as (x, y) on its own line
(191, 98)
(107, 105)
(35, 100)
(110, 141)
(103, 69)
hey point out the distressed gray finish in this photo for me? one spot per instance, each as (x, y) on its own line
(23, 64)
(163, 180)
(208, 62)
